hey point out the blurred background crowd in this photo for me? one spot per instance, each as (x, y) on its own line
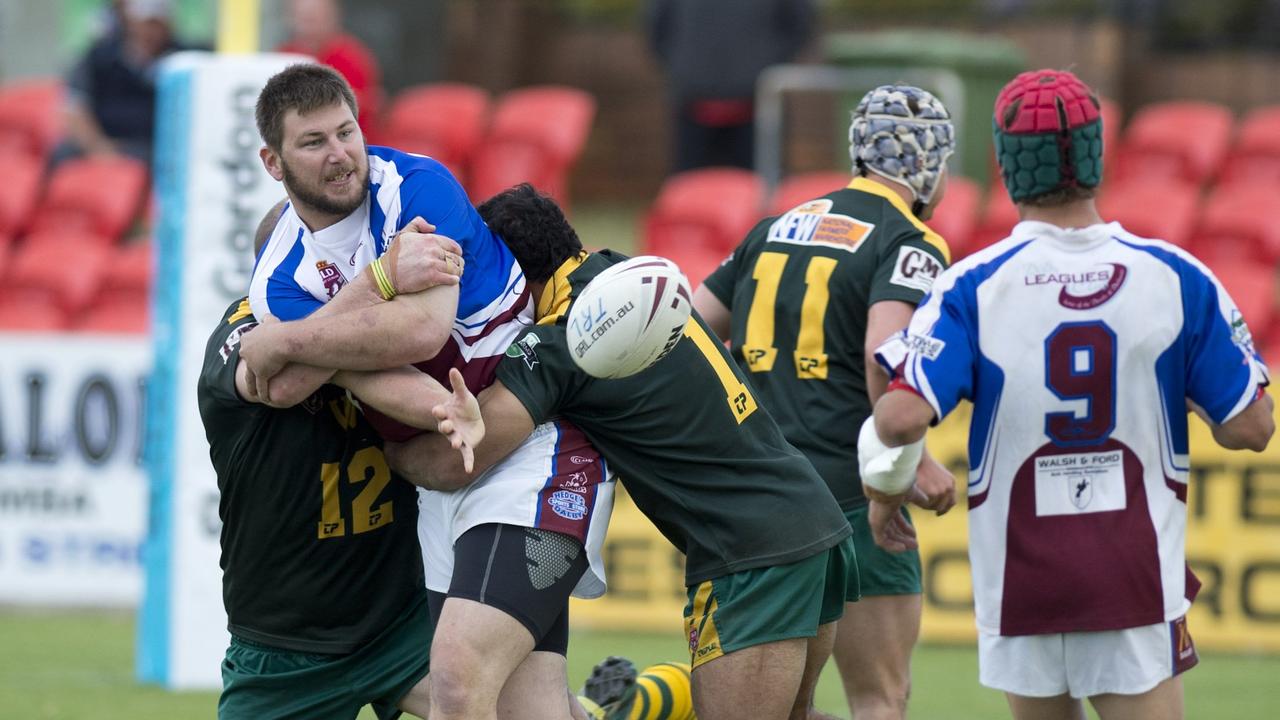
(628, 93)
(664, 126)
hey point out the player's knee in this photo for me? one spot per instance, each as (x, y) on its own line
(880, 705)
(452, 695)
(881, 702)
(456, 680)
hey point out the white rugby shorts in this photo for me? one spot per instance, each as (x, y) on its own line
(555, 480)
(1127, 662)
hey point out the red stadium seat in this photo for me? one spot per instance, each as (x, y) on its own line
(956, 216)
(443, 120)
(128, 275)
(1111, 122)
(799, 189)
(549, 123)
(126, 316)
(696, 263)
(102, 196)
(1253, 287)
(1256, 155)
(998, 218)
(1161, 210)
(27, 314)
(1189, 140)
(1235, 224)
(501, 164)
(711, 208)
(21, 190)
(56, 270)
(30, 117)
(1271, 353)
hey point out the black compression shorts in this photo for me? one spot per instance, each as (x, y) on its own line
(527, 573)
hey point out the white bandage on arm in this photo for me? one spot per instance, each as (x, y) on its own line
(888, 470)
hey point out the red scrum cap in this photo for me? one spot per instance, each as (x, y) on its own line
(1048, 134)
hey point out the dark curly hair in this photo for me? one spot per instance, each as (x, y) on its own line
(534, 228)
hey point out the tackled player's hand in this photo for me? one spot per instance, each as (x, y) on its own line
(418, 259)
(460, 420)
(935, 486)
(889, 527)
(262, 351)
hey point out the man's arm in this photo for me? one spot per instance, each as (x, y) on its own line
(884, 319)
(1250, 429)
(409, 329)
(713, 312)
(404, 394)
(424, 462)
(295, 383)
(416, 399)
(416, 260)
(900, 421)
(936, 484)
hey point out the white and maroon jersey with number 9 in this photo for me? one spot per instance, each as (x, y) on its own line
(1079, 350)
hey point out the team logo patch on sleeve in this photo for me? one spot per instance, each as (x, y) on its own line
(924, 345)
(915, 269)
(1240, 334)
(524, 348)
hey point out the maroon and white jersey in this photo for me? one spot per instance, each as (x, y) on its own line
(1079, 349)
(555, 480)
(298, 271)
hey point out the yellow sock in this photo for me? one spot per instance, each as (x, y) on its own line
(663, 692)
(593, 710)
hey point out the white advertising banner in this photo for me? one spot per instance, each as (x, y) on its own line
(73, 493)
(212, 190)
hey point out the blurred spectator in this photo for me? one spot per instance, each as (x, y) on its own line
(712, 52)
(111, 92)
(109, 19)
(317, 31)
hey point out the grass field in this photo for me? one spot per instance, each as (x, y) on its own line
(79, 666)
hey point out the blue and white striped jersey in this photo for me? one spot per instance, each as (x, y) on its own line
(1079, 349)
(293, 277)
(299, 270)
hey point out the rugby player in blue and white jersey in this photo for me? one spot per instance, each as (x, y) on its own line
(1082, 347)
(543, 510)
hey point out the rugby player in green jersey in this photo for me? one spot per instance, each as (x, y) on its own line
(769, 561)
(322, 574)
(805, 300)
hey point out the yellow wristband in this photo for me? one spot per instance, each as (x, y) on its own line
(385, 287)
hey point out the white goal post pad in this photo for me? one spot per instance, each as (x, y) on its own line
(211, 191)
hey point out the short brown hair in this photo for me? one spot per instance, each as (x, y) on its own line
(305, 88)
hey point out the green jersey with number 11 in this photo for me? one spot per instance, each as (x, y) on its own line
(800, 287)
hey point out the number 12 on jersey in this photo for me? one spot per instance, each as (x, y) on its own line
(367, 466)
(758, 347)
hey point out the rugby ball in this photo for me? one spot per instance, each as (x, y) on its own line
(628, 317)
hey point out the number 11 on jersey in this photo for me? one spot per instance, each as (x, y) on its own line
(758, 347)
